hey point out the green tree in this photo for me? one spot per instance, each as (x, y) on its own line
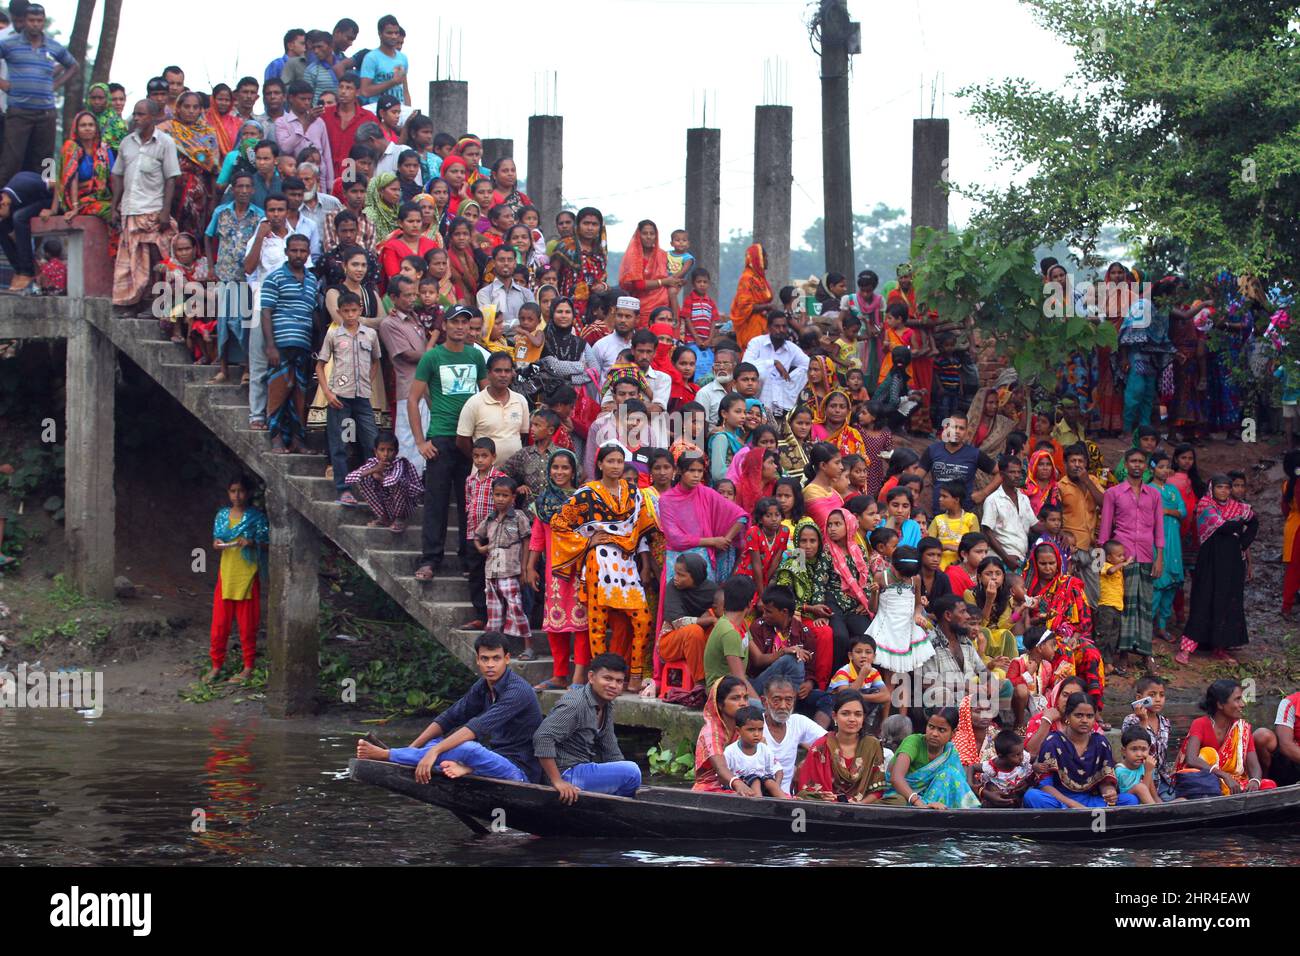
(1183, 129)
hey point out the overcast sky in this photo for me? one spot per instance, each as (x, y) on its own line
(632, 77)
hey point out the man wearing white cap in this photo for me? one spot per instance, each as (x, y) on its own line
(623, 319)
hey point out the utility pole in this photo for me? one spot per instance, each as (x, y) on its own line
(840, 38)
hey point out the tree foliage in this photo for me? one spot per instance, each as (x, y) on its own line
(1182, 128)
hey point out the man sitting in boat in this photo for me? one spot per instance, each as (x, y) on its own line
(1278, 749)
(576, 744)
(501, 707)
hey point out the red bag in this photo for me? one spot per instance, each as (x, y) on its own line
(586, 409)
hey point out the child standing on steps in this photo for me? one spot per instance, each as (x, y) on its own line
(241, 534)
(502, 537)
(388, 484)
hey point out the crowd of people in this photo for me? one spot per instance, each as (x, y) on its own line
(816, 500)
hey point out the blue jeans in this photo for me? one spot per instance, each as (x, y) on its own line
(484, 762)
(359, 410)
(787, 665)
(1036, 799)
(16, 237)
(619, 777)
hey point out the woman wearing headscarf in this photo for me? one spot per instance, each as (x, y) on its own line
(821, 381)
(1062, 604)
(753, 298)
(110, 121)
(383, 194)
(244, 154)
(84, 166)
(726, 696)
(807, 572)
(470, 149)
(582, 259)
(686, 611)
(1040, 480)
(564, 616)
(200, 158)
(566, 358)
(464, 262)
(222, 117)
(835, 428)
(644, 272)
(696, 519)
(1216, 616)
(455, 172)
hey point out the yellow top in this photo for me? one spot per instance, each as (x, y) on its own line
(949, 531)
(1112, 587)
(237, 573)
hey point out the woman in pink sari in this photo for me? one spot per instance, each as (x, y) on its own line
(825, 478)
(694, 517)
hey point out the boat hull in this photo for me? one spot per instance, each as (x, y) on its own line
(664, 813)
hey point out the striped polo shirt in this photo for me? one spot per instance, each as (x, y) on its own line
(31, 70)
(291, 303)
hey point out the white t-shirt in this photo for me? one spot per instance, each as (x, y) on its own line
(760, 763)
(1286, 711)
(800, 731)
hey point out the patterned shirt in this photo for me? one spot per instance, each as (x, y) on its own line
(507, 535)
(233, 233)
(353, 353)
(478, 498)
(528, 467)
(292, 303)
(31, 70)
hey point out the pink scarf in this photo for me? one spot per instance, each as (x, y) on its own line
(840, 559)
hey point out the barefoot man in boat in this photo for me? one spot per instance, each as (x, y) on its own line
(501, 706)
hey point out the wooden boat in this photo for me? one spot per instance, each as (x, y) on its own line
(666, 813)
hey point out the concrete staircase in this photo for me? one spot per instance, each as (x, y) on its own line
(440, 606)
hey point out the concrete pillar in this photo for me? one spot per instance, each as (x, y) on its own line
(546, 167)
(773, 176)
(449, 106)
(293, 606)
(840, 39)
(929, 174)
(703, 197)
(494, 149)
(89, 504)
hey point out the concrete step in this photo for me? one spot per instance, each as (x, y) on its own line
(383, 539)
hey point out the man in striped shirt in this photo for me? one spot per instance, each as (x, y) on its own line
(288, 298)
(37, 66)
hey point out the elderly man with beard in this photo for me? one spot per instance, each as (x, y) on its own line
(711, 395)
(784, 730)
(956, 668)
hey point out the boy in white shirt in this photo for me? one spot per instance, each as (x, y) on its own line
(751, 760)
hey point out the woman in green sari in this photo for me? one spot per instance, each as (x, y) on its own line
(927, 771)
(111, 125)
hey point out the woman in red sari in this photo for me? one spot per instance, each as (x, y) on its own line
(726, 696)
(1040, 485)
(1062, 604)
(847, 765)
(1221, 744)
(222, 118)
(644, 272)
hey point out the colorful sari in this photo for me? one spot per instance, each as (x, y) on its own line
(641, 267)
(199, 154)
(1062, 766)
(846, 438)
(853, 569)
(808, 581)
(579, 269)
(813, 399)
(819, 507)
(225, 127)
(111, 125)
(1042, 492)
(713, 739)
(1229, 755)
(827, 774)
(941, 780)
(793, 452)
(88, 195)
(753, 293)
(687, 516)
(1064, 600)
(888, 342)
(382, 215)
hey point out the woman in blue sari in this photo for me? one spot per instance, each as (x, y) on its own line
(927, 771)
(1078, 770)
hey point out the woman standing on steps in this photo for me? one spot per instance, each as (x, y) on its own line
(241, 534)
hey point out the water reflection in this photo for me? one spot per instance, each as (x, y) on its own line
(123, 790)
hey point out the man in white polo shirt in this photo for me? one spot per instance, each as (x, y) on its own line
(1009, 518)
(496, 412)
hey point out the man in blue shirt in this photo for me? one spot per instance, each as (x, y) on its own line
(295, 45)
(384, 70)
(21, 200)
(37, 67)
(500, 709)
(288, 300)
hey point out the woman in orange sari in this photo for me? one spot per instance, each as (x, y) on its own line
(821, 379)
(726, 696)
(752, 299)
(594, 540)
(834, 426)
(1219, 745)
(200, 158)
(222, 118)
(644, 273)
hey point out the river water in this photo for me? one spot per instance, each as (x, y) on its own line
(146, 789)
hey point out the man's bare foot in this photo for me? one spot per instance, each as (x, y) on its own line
(242, 676)
(451, 769)
(368, 751)
(211, 675)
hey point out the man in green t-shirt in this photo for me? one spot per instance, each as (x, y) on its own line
(727, 651)
(447, 377)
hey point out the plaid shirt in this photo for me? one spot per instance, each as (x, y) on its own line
(478, 499)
